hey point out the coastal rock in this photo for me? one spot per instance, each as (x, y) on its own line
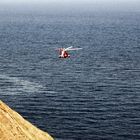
(14, 127)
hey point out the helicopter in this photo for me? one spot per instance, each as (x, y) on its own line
(63, 52)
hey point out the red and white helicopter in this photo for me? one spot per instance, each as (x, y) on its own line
(63, 52)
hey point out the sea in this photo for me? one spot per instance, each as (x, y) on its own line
(94, 94)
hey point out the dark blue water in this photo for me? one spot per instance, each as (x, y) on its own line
(95, 94)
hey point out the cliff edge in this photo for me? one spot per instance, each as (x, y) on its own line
(14, 127)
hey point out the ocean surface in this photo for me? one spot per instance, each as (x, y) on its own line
(94, 94)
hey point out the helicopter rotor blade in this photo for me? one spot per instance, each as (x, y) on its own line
(68, 48)
(71, 48)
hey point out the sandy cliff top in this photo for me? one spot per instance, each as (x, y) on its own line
(15, 127)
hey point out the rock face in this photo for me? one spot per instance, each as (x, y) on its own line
(15, 127)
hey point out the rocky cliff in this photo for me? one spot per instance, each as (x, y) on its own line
(15, 127)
